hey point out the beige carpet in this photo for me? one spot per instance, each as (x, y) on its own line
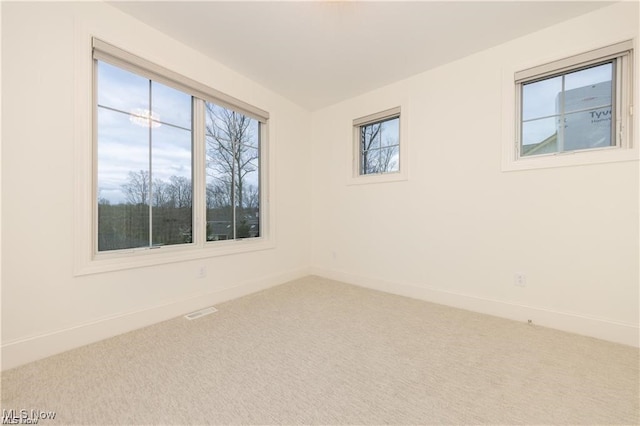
(315, 351)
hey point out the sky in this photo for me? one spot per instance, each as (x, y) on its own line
(123, 139)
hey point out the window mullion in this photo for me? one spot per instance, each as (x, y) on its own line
(234, 193)
(561, 125)
(617, 106)
(150, 176)
(199, 160)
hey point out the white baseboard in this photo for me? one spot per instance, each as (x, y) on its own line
(23, 351)
(617, 332)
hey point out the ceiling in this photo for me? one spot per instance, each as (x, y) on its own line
(317, 53)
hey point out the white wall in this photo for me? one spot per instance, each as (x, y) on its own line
(459, 229)
(45, 308)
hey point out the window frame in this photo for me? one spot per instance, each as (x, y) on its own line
(88, 260)
(623, 149)
(355, 167)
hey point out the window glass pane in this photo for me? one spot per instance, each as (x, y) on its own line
(369, 162)
(539, 136)
(172, 189)
(233, 175)
(122, 182)
(588, 108)
(122, 148)
(370, 136)
(382, 160)
(390, 134)
(596, 95)
(587, 77)
(122, 226)
(588, 129)
(248, 213)
(389, 159)
(584, 108)
(170, 105)
(144, 168)
(121, 90)
(379, 147)
(539, 98)
(171, 152)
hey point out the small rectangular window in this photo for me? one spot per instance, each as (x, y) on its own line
(378, 143)
(576, 104)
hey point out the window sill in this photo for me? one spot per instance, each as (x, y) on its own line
(575, 158)
(129, 259)
(378, 178)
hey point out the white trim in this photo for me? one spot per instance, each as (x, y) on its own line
(379, 116)
(24, 350)
(130, 259)
(1, 275)
(583, 59)
(109, 53)
(600, 328)
(84, 214)
(199, 165)
(28, 349)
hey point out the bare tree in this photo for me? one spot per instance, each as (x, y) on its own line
(217, 195)
(368, 135)
(386, 163)
(160, 194)
(102, 200)
(230, 154)
(251, 197)
(137, 189)
(374, 157)
(180, 192)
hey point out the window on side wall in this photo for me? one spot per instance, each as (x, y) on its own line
(176, 164)
(575, 106)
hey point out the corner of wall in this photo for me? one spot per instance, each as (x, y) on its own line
(599, 328)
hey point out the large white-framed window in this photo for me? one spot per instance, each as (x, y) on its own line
(178, 170)
(576, 110)
(379, 147)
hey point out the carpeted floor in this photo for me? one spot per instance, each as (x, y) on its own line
(316, 351)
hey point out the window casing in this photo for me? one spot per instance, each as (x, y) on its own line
(379, 148)
(171, 189)
(578, 105)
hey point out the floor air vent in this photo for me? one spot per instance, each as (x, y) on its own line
(200, 313)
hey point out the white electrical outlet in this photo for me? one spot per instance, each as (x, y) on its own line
(202, 272)
(520, 280)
